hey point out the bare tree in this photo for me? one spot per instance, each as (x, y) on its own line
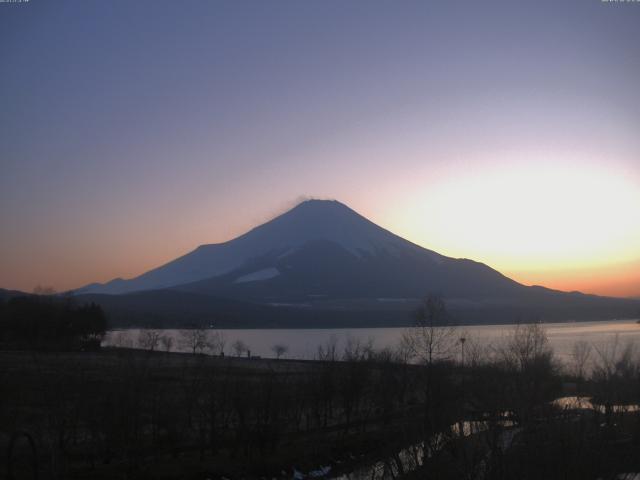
(328, 351)
(616, 368)
(239, 347)
(216, 342)
(528, 359)
(526, 346)
(475, 353)
(355, 349)
(44, 290)
(194, 339)
(580, 356)
(433, 337)
(123, 340)
(404, 349)
(167, 342)
(279, 350)
(431, 341)
(149, 339)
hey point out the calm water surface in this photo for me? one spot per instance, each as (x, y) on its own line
(303, 343)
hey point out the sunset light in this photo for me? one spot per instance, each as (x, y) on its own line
(539, 215)
(519, 153)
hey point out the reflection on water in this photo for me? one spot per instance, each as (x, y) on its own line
(412, 457)
(584, 403)
(303, 343)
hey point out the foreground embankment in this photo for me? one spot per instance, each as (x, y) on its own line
(121, 413)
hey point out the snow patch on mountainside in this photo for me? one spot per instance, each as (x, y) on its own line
(264, 274)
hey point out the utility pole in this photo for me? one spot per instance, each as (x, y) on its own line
(461, 422)
(462, 340)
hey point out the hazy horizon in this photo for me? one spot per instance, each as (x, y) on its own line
(503, 133)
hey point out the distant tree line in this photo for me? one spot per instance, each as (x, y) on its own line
(47, 322)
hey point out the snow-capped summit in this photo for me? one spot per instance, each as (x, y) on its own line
(310, 221)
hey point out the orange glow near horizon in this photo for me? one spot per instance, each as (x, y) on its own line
(513, 142)
(615, 280)
(558, 226)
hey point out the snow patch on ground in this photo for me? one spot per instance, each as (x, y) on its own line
(264, 274)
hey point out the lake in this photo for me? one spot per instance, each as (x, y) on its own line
(303, 343)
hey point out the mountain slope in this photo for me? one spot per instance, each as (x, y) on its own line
(323, 264)
(322, 269)
(309, 221)
(7, 294)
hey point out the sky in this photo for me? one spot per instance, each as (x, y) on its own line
(502, 131)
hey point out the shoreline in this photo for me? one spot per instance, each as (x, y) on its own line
(366, 327)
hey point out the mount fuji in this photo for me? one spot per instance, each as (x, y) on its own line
(323, 264)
